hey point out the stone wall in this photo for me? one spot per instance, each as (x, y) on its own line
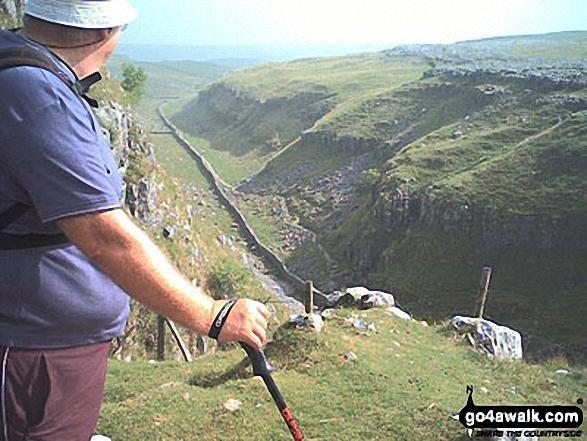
(247, 232)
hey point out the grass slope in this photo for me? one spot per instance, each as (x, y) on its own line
(490, 151)
(167, 80)
(405, 383)
(509, 148)
(346, 77)
(513, 171)
(254, 114)
(407, 379)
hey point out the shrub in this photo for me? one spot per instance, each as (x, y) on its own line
(225, 279)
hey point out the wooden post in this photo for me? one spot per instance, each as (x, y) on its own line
(161, 338)
(309, 298)
(485, 279)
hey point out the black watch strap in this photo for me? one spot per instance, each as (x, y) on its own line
(220, 319)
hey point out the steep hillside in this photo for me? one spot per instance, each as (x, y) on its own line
(486, 170)
(505, 187)
(262, 110)
(417, 166)
(403, 381)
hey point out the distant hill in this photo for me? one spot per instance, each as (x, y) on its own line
(172, 78)
(568, 46)
(258, 110)
(418, 165)
(240, 56)
(530, 50)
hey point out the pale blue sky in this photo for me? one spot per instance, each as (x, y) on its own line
(357, 22)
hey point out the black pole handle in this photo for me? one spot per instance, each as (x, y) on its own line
(258, 359)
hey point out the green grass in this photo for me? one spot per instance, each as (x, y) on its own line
(477, 163)
(305, 155)
(278, 102)
(406, 382)
(185, 202)
(248, 131)
(343, 76)
(427, 105)
(265, 228)
(231, 168)
(530, 168)
(176, 161)
(542, 176)
(506, 175)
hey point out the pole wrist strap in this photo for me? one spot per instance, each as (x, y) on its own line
(220, 319)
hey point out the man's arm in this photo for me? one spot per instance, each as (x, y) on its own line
(127, 255)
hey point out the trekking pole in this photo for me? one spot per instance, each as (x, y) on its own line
(263, 369)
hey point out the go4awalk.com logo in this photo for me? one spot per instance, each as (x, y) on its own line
(515, 421)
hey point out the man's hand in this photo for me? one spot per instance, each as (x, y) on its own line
(246, 323)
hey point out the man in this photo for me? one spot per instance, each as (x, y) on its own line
(61, 301)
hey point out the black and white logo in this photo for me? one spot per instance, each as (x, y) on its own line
(517, 418)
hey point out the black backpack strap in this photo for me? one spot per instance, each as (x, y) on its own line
(27, 241)
(23, 241)
(10, 215)
(28, 56)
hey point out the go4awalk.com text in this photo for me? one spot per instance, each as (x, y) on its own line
(531, 421)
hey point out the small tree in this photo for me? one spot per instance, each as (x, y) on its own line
(134, 82)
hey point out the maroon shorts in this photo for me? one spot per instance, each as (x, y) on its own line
(51, 395)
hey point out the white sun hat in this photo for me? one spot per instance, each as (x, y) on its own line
(86, 14)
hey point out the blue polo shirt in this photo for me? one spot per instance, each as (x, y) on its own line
(53, 157)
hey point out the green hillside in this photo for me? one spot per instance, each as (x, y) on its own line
(412, 177)
(344, 77)
(493, 167)
(167, 81)
(171, 79)
(421, 164)
(259, 111)
(402, 382)
(473, 180)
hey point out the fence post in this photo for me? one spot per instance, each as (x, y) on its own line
(160, 338)
(309, 298)
(485, 279)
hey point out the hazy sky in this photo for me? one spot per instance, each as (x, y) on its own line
(357, 22)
